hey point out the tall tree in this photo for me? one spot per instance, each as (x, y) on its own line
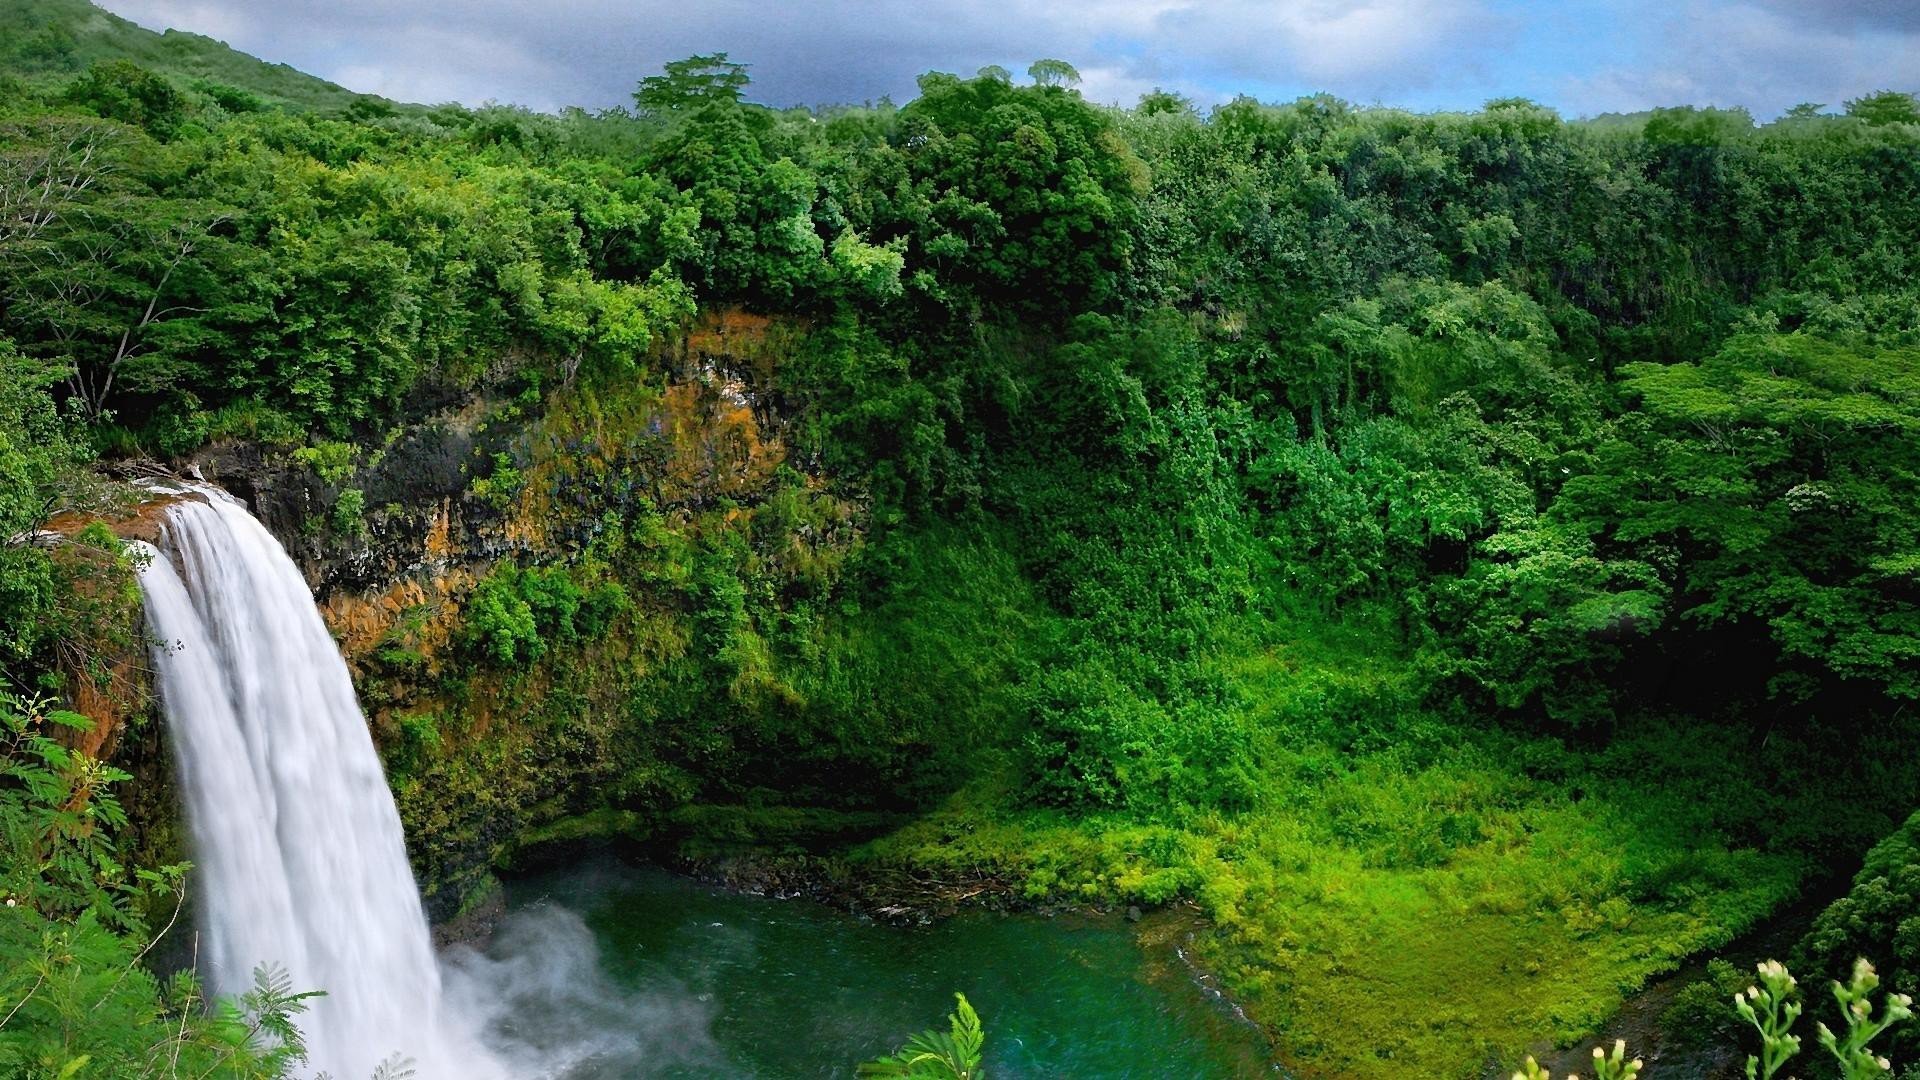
(691, 84)
(1047, 72)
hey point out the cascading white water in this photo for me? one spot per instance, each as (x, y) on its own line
(296, 840)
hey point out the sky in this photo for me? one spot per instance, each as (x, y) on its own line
(1583, 57)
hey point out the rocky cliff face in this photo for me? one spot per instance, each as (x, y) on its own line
(617, 482)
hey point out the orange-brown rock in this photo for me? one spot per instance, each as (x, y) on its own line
(362, 622)
(140, 522)
(109, 695)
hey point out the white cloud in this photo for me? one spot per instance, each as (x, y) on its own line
(1119, 85)
(212, 18)
(1752, 55)
(1381, 42)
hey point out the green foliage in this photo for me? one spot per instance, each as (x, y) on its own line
(1855, 999)
(348, 516)
(1614, 1066)
(935, 1055)
(78, 1001)
(47, 48)
(82, 1006)
(691, 84)
(500, 486)
(332, 462)
(1348, 520)
(57, 812)
(1770, 1008)
(57, 593)
(756, 237)
(122, 90)
(1158, 102)
(872, 271)
(34, 454)
(1885, 107)
(500, 621)
(1053, 73)
(1767, 468)
(1877, 916)
(1702, 1012)
(1088, 737)
(1696, 127)
(514, 615)
(1094, 742)
(1020, 195)
(420, 742)
(52, 39)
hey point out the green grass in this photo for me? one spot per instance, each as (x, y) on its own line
(1392, 917)
(1410, 897)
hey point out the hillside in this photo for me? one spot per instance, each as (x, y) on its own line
(48, 41)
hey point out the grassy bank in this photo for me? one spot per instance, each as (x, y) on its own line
(1412, 911)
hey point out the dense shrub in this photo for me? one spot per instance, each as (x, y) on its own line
(1879, 915)
(515, 615)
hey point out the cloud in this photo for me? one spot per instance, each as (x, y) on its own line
(468, 67)
(1902, 16)
(1759, 56)
(1582, 55)
(1381, 43)
(592, 51)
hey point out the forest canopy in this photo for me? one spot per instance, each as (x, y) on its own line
(1357, 521)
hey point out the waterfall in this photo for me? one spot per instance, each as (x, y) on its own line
(299, 855)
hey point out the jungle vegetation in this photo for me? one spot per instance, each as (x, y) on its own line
(1473, 556)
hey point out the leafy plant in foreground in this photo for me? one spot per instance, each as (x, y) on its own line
(1770, 1009)
(1855, 998)
(937, 1055)
(1769, 1006)
(75, 997)
(1614, 1066)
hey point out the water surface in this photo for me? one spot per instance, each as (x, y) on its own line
(691, 981)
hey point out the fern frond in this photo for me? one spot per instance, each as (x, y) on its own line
(935, 1055)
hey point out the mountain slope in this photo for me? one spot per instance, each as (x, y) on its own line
(45, 40)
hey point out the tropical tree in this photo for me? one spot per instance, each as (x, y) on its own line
(688, 85)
